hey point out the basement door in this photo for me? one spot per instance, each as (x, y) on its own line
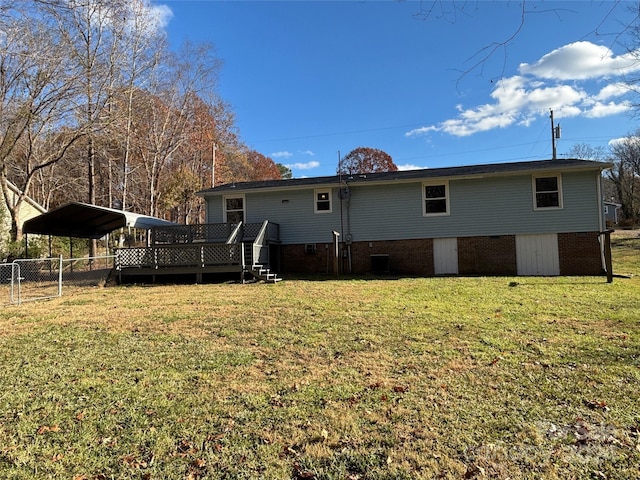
(537, 254)
(445, 256)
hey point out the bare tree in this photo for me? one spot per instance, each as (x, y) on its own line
(166, 110)
(625, 175)
(141, 40)
(585, 151)
(37, 87)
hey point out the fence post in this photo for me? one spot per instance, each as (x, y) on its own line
(60, 277)
(15, 275)
(607, 255)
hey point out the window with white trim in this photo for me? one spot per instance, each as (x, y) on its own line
(234, 209)
(435, 198)
(322, 201)
(547, 192)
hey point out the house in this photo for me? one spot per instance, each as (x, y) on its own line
(29, 209)
(524, 218)
(611, 212)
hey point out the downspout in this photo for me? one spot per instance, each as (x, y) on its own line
(603, 262)
(604, 235)
(348, 238)
(601, 221)
(341, 217)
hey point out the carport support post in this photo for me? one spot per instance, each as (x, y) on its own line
(60, 276)
(71, 252)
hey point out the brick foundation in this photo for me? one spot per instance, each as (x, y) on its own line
(296, 259)
(579, 255)
(406, 257)
(487, 255)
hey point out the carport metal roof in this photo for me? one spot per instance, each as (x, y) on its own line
(88, 221)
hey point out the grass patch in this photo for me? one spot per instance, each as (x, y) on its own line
(351, 379)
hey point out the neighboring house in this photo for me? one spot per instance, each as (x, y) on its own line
(29, 209)
(526, 218)
(611, 212)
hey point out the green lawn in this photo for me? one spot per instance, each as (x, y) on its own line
(353, 379)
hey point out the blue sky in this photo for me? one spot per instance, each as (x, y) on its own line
(427, 82)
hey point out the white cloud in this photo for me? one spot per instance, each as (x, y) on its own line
(159, 15)
(613, 90)
(521, 99)
(150, 18)
(408, 166)
(420, 131)
(599, 110)
(621, 141)
(580, 61)
(283, 154)
(308, 152)
(303, 166)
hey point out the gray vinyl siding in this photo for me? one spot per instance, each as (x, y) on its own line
(214, 209)
(293, 210)
(478, 207)
(500, 205)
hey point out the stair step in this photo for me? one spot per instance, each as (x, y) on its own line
(265, 274)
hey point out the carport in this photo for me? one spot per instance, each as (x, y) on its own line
(82, 220)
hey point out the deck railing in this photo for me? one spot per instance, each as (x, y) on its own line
(211, 233)
(169, 256)
(201, 246)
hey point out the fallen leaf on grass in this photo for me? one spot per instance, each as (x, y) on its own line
(288, 451)
(45, 428)
(401, 389)
(474, 471)
(595, 405)
(186, 448)
(300, 474)
(132, 462)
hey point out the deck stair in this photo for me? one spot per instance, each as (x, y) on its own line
(261, 272)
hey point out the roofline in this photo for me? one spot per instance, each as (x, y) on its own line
(27, 198)
(411, 176)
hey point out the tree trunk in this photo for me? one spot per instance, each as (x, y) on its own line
(91, 164)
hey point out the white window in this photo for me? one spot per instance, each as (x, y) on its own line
(435, 198)
(233, 209)
(547, 192)
(322, 201)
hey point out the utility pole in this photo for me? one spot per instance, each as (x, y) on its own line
(555, 135)
(214, 147)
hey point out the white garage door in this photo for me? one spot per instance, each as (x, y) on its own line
(445, 256)
(537, 254)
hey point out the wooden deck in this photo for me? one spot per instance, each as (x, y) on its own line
(200, 249)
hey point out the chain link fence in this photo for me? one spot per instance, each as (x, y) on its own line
(9, 283)
(26, 280)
